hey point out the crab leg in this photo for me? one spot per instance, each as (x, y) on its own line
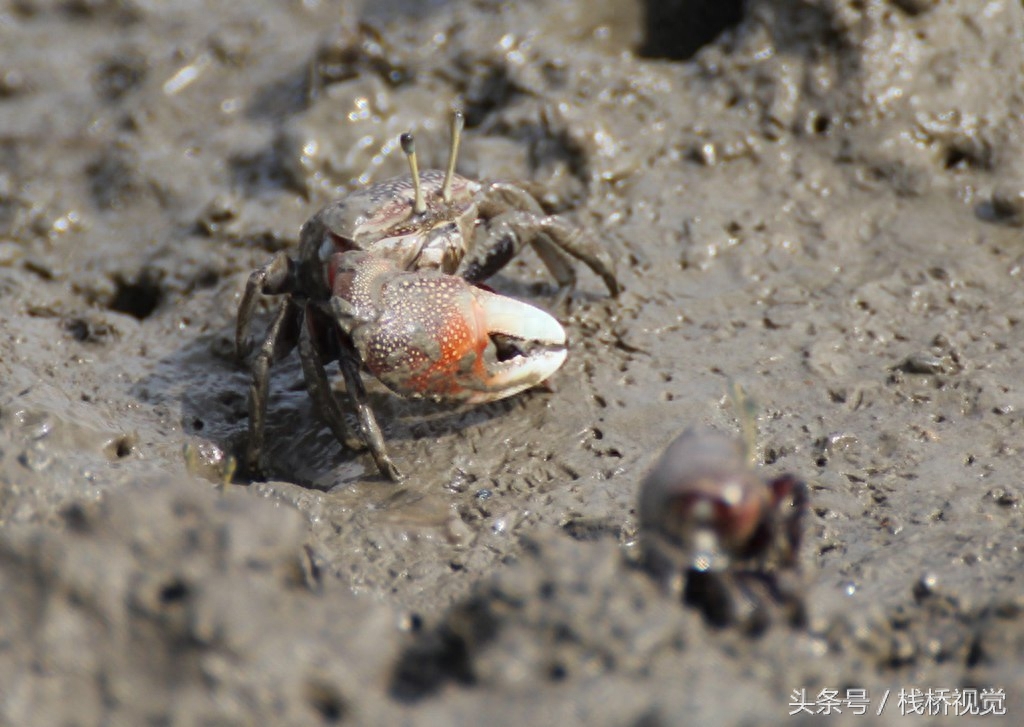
(515, 218)
(274, 278)
(279, 341)
(790, 496)
(374, 438)
(312, 356)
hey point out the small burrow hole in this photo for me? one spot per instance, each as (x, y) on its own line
(120, 447)
(326, 701)
(678, 29)
(174, 591)
(77, 518)
(955, 158)
(78, 329)
(138, 298)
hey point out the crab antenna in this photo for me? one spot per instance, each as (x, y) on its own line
(458, 121)
(746, 415)
(419, 205)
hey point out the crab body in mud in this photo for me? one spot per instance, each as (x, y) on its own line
(387, 280)
(720, 536)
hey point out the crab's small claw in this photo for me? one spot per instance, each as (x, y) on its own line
(437, 336)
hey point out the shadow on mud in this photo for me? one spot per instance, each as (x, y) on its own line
(208, 387)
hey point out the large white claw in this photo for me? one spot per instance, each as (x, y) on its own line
(527, 346)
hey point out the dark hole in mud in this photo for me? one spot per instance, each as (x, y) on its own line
(174, 592)
(913, 7)
(677, 29)
(445, 653)
(206, 279)
(77, 519)
(327, 701)
(38, 268)
(487, 90)
(90, 330)
(121, 447)
(119, 74)
(120, 13)
(138, 298)
(955, 158)
(557, 672)
(976, 654)
(78, 329)
(423, 669)
(967, 154)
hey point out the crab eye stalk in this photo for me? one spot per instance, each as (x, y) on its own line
(458, 122)
(419, 205)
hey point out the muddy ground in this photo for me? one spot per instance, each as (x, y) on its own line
(819, 200)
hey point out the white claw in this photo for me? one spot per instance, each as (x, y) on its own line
(516, 319)
(521, 322)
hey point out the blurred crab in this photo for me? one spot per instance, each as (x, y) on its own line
(386, 280)
(720, 536)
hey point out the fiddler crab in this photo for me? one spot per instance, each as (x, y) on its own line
(387, 281)
(719, 536)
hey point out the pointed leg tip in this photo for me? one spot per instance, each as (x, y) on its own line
(390, 471)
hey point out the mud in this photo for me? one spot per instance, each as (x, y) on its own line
(820, 201)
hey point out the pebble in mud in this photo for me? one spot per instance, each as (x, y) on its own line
(720, 536)
(1007, 203)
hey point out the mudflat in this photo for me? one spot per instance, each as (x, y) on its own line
(821, 202)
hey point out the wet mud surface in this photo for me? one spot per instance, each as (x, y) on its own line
(820, 201)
